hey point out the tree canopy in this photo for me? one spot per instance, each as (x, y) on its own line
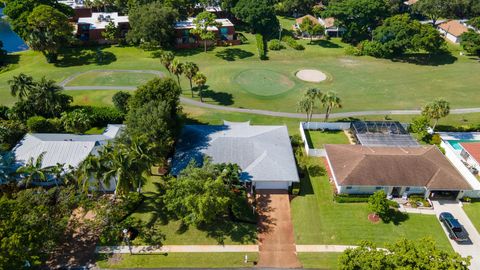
(152, 23)
(359, 17)
(202, 22)
(433, 9)
(378, 204)
(49, 30)
(259, 15)
(470, 42)
(436, 109)
(403, 254)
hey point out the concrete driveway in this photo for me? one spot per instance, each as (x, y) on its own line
(471, 249)
(276, 240)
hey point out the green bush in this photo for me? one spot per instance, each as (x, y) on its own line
(39, 124)
(295, 189)
(352, 50)
(4, 112)
(76, 121)
(262, 50)
(291, 42)
(275, 45)
(242, 38)
(351, 198)
(120, 101)
(102, 116)
(375, 49)
(11, 132)
(242, 210)
(435, 139)
(393, 204)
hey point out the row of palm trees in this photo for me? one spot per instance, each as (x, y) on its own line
(329, 100)
(189, 69)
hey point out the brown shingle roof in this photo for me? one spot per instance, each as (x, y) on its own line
(300, 20)
(453, 27)
(393, 166)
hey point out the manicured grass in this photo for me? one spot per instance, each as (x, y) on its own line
(473, 212)
(111, 79)
(223, 233)
(179, 260)
(318, 220)
(327, 260)
(317, 139)
(92, 97)
(363, 83)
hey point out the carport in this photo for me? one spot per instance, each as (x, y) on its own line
(444, 194)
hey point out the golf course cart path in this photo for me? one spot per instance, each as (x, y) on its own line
(192, 102)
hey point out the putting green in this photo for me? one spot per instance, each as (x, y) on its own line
(264, 82)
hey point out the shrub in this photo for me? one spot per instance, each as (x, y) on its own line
(296, 140)
(102, 116)
(352, 50)
(242, 38)
(375, 49)
(275, 45)
(291, 42)
(351, 198)
(11, 132)
(262, 50)
(120, 101)
(242, 210)
(393, 204)
(467, 199)
(436, 140)
(76, 121)
(4, 112)
(39, 124)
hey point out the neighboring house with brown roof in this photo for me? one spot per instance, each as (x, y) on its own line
(331, 28)
(452, 30)
(358, 169)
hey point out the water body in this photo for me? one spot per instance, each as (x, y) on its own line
(11, 41)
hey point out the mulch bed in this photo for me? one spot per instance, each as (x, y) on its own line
(373, 218)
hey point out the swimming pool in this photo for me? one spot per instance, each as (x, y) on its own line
(456, 143)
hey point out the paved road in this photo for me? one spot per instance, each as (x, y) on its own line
(189, 101)
(472, 249)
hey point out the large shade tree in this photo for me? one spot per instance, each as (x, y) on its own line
(152, 23)
(49, 31)
(259, 15)
(433, 9)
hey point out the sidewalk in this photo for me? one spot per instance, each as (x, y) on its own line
(416, 210)
(323, 248)
(176, 248)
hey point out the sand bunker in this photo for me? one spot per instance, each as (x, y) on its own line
(311, 75)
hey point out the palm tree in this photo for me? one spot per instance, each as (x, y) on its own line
(190, 69)
(176, 68)
(436, 109)
(21, 85)
(200, 80)
(120, 168)
(47, 92)
(91, 169)
(330, 101)
(166, 59)
(307, 103)
(33, 171)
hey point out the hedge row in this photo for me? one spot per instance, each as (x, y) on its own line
(102, 116)
(262, 49)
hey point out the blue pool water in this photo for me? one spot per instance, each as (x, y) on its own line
(456, 143)
(11, 41)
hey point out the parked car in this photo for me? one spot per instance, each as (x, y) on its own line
(454, 228)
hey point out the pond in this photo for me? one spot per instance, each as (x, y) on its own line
(11, 41)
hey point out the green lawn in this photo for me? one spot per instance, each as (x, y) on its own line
(223, 233)
(178, 260)
(236, 77)
(317, 139)
(319, 260)
(318, 220)
(111, 79)
(473, 212)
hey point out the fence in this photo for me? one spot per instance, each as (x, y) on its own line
(316, 126)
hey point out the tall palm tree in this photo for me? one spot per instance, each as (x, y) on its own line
(33, 171)
(190, 69)
(90, 172)
(330, 101)
(436, 109)
(200, 80)
(176, 68)
(307, 103)
(166, 59)
(120, 165)
(21, 85)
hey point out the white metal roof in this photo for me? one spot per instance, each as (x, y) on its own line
(264, 153)
(67, 149)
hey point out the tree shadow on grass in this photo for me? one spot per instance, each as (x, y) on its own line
(395, 216)
(221, 98)
(325, 44)
(240, 232)
(85, 56)
(193, 51)
(426, 59)
(232, 54)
